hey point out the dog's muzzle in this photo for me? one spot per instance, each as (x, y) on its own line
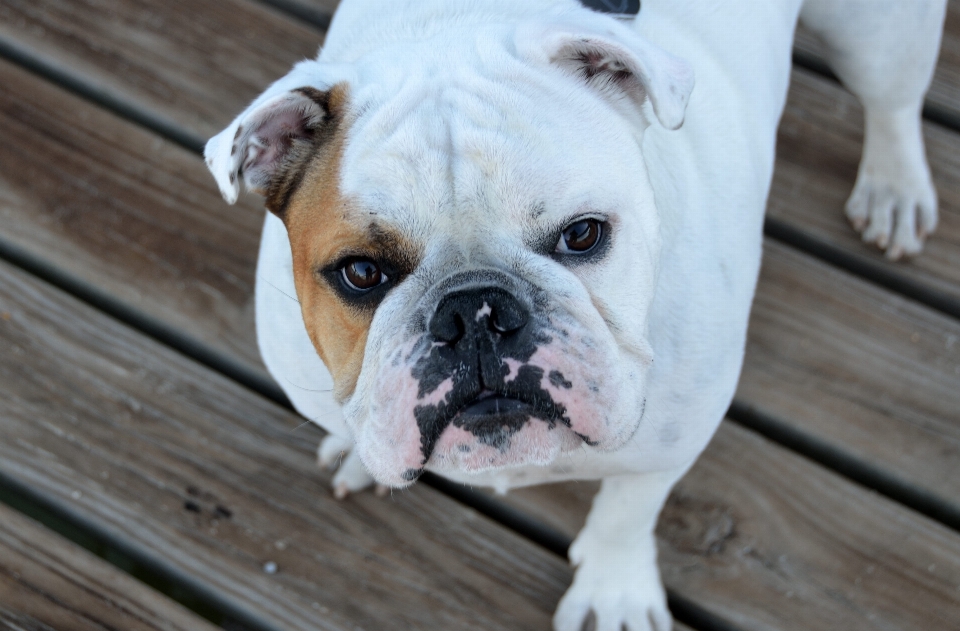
(482, 339)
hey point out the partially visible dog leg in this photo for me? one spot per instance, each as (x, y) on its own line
(885, 52)
(338, 453)
(616, 559)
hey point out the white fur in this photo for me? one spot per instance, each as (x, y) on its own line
(471, 117)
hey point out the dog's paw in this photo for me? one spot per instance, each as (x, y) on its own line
(338, 453)
(897, 216)
(622, 593)
(894, 203)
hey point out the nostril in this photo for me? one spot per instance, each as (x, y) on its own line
(447, 327)
(458, 329)
(507, 318)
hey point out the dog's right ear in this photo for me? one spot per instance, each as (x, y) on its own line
(277, 130)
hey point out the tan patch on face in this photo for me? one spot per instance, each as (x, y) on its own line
(324, 227)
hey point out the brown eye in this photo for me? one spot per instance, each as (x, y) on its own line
(580, 237)
(362, 274)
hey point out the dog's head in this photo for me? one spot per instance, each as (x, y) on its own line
(474, 237)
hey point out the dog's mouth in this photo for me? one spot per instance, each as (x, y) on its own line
(489, 403)
(491, 406)
(492, 417)
(488, 417)
(495, 429)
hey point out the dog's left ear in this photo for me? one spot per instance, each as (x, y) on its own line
(614, 60)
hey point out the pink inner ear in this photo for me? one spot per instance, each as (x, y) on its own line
(271, 134)
(272, 138)
(594, 61)
(615, 60)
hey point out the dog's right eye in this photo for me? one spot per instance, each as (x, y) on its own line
(362, 275)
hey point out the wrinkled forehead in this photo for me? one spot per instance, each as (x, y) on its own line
(491, 138)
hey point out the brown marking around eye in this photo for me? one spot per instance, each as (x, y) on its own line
(323, 226)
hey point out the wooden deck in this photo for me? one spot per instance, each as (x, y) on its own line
(137, 422)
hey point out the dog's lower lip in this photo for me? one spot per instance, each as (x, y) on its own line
(493, 404)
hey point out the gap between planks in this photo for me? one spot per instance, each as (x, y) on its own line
(49, 583)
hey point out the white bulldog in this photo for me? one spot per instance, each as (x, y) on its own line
(511, 243)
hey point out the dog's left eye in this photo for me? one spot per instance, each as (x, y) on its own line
(580, 237)
(362, 275)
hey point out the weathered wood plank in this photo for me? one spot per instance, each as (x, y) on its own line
(213, 482)
(764, 539)
(195, 63)
(818, 150)
(48, 583)
(127, 213)
(856, 368)
(944, 94)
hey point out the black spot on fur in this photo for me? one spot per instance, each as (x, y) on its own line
(557, 380)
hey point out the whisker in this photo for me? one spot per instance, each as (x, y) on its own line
(295, 385)
(653, 426)
(280, 290)
(299, 426)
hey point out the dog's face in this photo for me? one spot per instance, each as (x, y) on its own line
(474, 238)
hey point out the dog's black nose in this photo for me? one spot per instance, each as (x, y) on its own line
(490, 310)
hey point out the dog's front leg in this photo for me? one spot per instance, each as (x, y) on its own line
(616, 558)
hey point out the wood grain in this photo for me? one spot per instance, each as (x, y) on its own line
(122, 211)
(858, 369)
(212, 483)
(944, 94)
(46, 582)
(195, 63)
